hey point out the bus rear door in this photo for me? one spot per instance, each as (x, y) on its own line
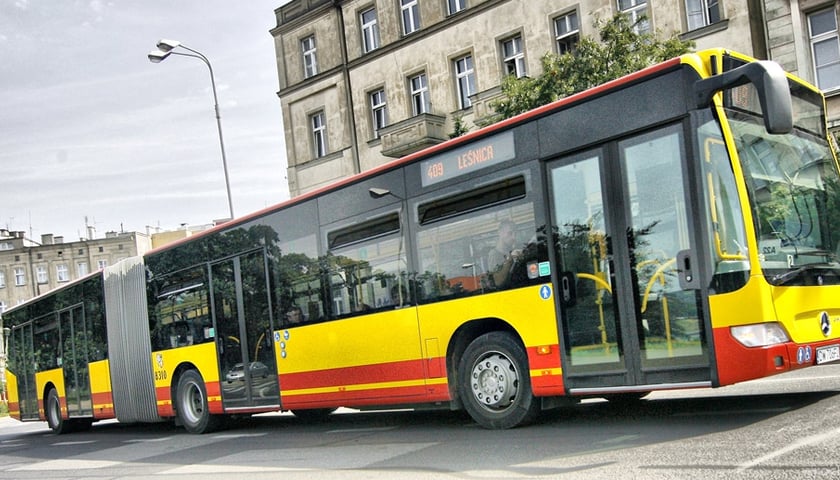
(74, 361)
(630, 311)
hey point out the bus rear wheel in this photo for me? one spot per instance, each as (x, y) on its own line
(191, 404)
(53, 412)
(494, 383)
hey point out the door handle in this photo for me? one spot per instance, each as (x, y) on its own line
(686, 269)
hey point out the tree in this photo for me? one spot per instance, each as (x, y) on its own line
(621, 51)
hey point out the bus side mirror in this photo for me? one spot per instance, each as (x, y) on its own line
(769, 80)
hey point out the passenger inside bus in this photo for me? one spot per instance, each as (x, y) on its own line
(295, 315)
(503, 256)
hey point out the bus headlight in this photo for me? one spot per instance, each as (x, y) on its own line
(760, 335)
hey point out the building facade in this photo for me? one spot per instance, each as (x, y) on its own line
(364, 81)
(28, 268)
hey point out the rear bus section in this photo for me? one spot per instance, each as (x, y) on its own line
(58, 357)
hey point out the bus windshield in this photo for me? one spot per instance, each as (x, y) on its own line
(794, 189)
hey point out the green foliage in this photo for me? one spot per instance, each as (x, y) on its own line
(619, 52)
(459, 128)
(4, 409)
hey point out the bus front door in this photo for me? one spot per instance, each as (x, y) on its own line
(242, 313)
(630, 313)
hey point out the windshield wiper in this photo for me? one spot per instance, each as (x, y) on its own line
(782, 278)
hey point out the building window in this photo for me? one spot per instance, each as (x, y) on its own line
(700, 13)
(20, 277)
(310, 65)
(465, 78)
(825, 48)
(81, 269)
(101, 264)
(2, 306)
(456, 6)
(6, 246)
(419, 87)
(62, 273)
(410, 11)
(2, 279)
(370, 30)
(41, 274)
(635, 10)
(378, 111)
(319, 134)
(566, 33)
(514, 57)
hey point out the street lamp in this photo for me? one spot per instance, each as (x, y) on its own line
(166, 48)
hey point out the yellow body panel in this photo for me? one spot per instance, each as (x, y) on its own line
(365, 340)
(56, 378)
(800, 310)
(100, 387)
(525, 309)
(14, 398)
(165, 362)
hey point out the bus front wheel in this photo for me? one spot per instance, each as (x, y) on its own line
(191, 404)
(53, 412)
(494, 382)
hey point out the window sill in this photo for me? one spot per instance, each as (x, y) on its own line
(832, 92)
(707, 30)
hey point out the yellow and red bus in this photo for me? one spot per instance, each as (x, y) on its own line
(675, 228)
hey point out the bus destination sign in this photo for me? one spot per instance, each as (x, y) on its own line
(467, 159)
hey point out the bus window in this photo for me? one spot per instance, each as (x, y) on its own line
(47, 345)
(181, 312)
(727, 236)
(366, 264)
(297, 282)
(468, 247)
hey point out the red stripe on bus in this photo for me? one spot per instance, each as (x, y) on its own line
(14, 410)
(360, 398)
(103, 405)
(356, 375)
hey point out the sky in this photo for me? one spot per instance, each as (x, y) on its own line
(91, 129)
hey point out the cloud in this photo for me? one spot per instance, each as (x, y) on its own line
(101, 132)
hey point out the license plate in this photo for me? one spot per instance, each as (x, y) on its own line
(828, 354)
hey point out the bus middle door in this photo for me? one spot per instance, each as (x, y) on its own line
(247, 365)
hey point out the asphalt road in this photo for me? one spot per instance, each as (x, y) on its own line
(784, 427)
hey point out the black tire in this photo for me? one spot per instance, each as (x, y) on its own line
(314, 415)
(52, 410)
(191, 405)
(494, 382)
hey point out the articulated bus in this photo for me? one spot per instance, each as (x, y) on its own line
(676, 228)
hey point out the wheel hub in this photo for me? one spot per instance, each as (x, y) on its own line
(494, 381)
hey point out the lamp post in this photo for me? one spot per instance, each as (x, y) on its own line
(166, 48)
